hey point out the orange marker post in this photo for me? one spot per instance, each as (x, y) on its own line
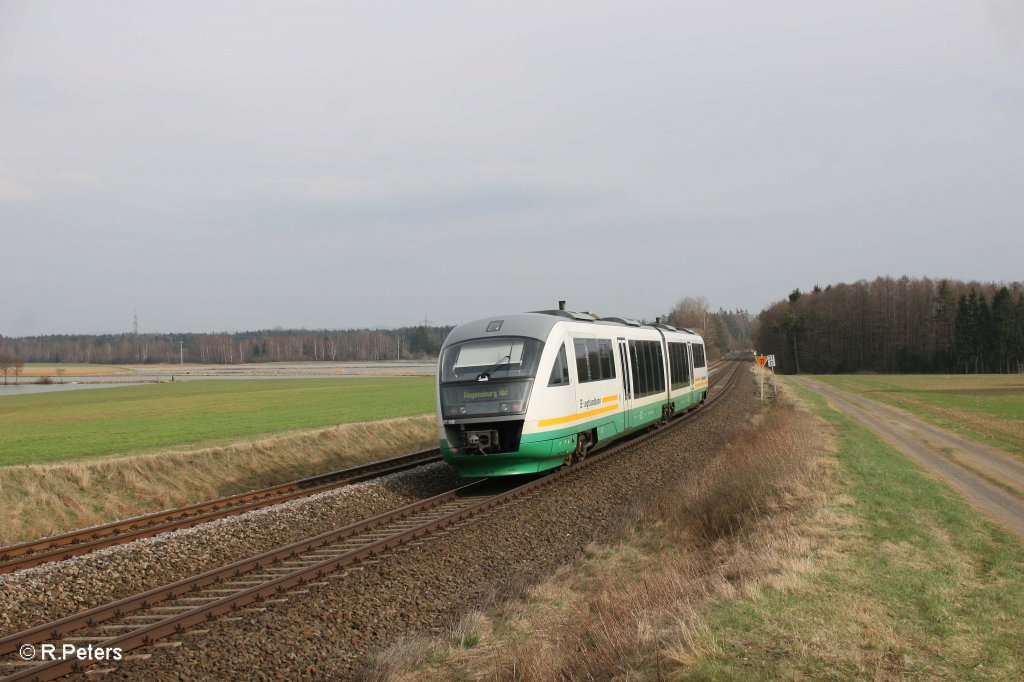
(761, 360)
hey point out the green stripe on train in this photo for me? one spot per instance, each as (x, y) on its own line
(542, 451)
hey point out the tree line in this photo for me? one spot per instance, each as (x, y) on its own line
(897, 326)
(723, 331)
(418, 342)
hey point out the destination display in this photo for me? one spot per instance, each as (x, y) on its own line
(493, 398)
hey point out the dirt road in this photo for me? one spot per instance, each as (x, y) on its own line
(992, 480)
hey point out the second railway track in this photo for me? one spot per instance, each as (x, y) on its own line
(77, 543)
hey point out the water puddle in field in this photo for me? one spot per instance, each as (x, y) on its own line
(166, 374)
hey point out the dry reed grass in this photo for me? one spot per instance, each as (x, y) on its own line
(637, 609)
(41, 500)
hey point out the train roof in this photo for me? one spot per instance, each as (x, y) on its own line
(538, 325)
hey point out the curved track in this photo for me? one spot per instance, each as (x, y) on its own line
(144, 618)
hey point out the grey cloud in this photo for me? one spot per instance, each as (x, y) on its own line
(238, 165)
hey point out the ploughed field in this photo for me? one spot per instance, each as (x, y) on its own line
(77, 425)
(986, 407)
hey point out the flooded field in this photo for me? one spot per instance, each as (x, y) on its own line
(34, 377)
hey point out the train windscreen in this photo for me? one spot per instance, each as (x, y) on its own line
(488, 359)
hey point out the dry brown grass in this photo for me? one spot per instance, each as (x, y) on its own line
(41, 500)
(71, 371)
(637, 609)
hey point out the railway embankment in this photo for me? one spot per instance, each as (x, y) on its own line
(40, 500)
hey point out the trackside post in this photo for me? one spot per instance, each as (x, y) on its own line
(761, 360)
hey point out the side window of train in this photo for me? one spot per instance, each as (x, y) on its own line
(639, 378)
(560, 372)
(642, 370)
(648, 368)
(607, 362)
(677, 356)
(594, 360)
(582, 366)
(698, 355)
(659, 366)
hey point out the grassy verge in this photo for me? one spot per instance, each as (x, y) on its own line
(807, 549)
(76, 425)
(988, 407)
(915, 585)
(41, 500)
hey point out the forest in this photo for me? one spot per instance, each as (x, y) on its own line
(896, 326)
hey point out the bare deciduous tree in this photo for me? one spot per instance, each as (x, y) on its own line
(6, 363)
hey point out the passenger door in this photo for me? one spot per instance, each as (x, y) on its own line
(627, 384)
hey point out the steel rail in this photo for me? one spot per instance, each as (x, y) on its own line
(76, 543)
(93, 616)
(177, 623)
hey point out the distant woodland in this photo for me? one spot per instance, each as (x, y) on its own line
(261, 346)
(897, 326)
(723, 331)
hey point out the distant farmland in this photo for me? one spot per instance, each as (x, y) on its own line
(81, 424)
(987, 407)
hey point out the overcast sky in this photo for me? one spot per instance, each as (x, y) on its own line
(246, 165)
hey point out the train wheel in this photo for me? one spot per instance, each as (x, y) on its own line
(582, 447)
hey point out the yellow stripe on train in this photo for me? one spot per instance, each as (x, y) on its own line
(580, 415)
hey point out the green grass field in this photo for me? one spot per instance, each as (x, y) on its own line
(74, 425)
(988, 407)
(918, 586)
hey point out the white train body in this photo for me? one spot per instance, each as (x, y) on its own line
(528, 392)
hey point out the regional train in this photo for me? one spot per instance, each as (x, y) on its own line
(529, 392)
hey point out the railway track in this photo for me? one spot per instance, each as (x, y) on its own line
(77, 543)
(144, 619)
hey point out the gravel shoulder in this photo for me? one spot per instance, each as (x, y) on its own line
(992, 480)
(326, 630)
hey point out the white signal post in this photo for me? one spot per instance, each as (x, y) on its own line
(762, 360)
(771, 366)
